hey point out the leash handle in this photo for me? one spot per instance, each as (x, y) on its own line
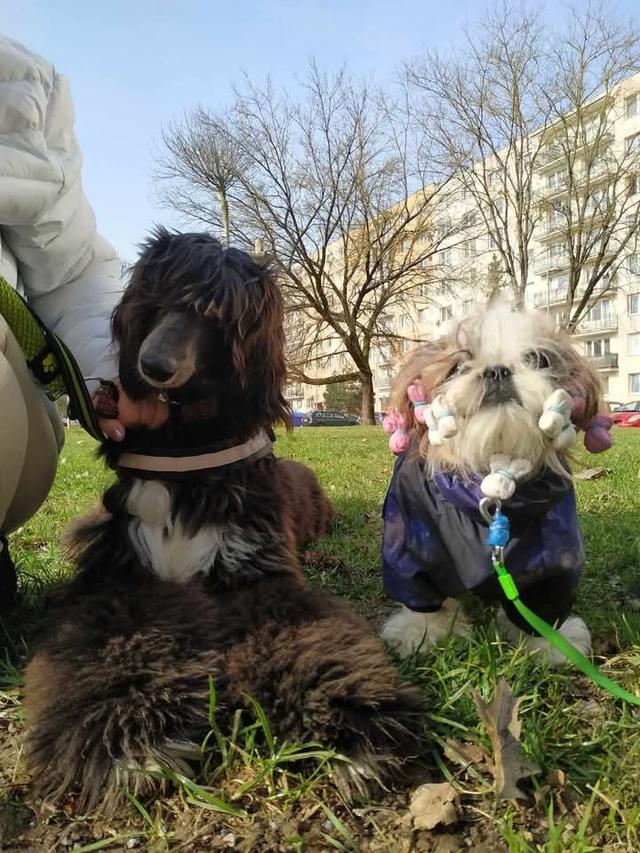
(48, 358)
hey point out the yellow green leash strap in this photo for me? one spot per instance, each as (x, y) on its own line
(498, 537)
(557, 640)
(51, 363)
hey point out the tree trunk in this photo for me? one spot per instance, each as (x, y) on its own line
(367, 418)
(224, 214)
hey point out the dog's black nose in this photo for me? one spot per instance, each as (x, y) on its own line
(157, 367)
(497, 373)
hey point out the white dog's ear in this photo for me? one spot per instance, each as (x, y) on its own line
(430, 365)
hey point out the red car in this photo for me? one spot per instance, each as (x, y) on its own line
(627, 415)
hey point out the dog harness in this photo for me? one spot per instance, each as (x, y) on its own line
(49, 360)
(434, 540)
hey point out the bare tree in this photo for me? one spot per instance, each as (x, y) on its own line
(589, 193)
(484, 109)
(335, 181)
(524, 116)
(199, 160)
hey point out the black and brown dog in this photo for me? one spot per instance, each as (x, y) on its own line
(190, 570)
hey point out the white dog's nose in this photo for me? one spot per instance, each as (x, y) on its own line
(497, 373)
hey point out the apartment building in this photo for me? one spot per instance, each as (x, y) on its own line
(608, 334)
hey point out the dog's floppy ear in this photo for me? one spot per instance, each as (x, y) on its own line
(429, 364)
(586, 383)
(254, 320)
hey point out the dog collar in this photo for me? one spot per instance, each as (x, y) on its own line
(200, 459)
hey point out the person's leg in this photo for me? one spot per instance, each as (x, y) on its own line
(28, 449)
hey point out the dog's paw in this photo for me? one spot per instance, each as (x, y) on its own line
(408, 632)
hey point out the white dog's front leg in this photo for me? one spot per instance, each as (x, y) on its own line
(408, 631)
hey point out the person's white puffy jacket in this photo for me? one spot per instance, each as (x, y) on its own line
(49, 248)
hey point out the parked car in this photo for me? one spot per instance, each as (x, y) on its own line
(627, 415)
(327, 419)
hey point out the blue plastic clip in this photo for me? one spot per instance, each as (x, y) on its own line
(499, 532)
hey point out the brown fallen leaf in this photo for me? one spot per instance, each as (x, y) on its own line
(465, 754)
(592, 474)
(434, 805)
(500, 718)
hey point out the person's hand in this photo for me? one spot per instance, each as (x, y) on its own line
(150, 414)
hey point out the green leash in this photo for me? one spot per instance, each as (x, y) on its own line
(497, 538)
(49, 360)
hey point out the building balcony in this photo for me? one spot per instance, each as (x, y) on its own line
(553, 158)
(551, 263)
(591, 327)
(609, 361)
(544, 298)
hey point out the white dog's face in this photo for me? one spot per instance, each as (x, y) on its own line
(496, 370)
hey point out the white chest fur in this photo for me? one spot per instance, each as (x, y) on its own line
(164, 547)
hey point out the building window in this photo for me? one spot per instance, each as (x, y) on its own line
(598, 201)
(445, 313)
(591, 129)
(424, 263)
(406, 244)
(469, 249)
(405, 321)
(634, 303)
(423, 315)
(634, 264)
(446, 257)
(556, 179)
(602, 310)
(494, 178)
(558, 252)
(632, 144)
(467, 305)
(423, 290)
(632, 105)
(557, 217)
(559, 282)
(634, 344)
(633, 188)
(598, 347)
(634, 383)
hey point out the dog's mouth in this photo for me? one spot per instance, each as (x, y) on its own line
(500, 393)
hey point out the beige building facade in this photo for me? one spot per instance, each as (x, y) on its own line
(608, 335)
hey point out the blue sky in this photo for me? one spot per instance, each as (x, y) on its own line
(136, 64)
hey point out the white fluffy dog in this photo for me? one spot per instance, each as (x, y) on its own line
(489, 411)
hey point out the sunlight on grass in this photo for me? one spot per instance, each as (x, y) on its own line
(248, 778)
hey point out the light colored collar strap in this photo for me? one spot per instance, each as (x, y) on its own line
(256, 446)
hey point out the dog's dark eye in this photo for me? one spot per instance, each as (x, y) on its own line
(458, 368)
(537, 359)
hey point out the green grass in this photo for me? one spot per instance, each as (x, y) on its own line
(588, 796)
